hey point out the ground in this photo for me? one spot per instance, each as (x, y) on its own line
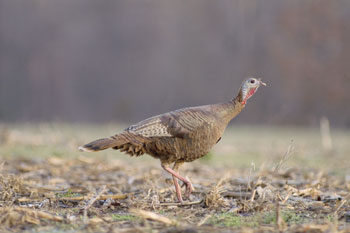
(257, 179)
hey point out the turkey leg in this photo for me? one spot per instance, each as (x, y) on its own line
(176, 183)
(189, 187)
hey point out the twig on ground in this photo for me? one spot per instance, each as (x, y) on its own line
(153, 216)
(338, 208)
(92, 201)
(286, 198)
(200, 223)
(183, 203)
(214, 198)
(78, 198)
(38, 213)
(277, 214)
(252, 168)
(253, 196)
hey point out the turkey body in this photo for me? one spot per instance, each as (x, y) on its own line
(182, 135)
(189, 134)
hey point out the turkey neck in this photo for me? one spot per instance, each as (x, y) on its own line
(229, 110)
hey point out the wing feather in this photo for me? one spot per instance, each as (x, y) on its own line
(178, 123)
(152, 127)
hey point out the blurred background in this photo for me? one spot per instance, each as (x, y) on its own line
(123, 61)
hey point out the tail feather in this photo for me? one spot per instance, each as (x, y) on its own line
(102, 144)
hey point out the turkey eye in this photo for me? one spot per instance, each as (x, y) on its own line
(252, 81)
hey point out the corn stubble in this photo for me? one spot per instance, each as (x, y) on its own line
(85, 193)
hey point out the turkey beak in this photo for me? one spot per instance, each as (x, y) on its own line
(262, 83)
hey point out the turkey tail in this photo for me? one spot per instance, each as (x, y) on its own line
(102, 144)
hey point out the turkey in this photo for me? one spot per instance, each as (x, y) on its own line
(179, 136)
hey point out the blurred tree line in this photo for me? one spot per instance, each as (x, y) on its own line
(125, 60)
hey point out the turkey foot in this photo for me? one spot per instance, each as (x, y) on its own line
(189, 189)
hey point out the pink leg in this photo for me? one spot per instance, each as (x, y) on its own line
(189, 187)
(176, 183)
(178, 189)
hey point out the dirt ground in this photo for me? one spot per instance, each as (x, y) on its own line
(252, 182)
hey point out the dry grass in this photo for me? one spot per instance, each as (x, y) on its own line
(46, 186)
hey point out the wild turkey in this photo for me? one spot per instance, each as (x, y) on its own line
(179, 136)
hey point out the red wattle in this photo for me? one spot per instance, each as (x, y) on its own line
(249, 94)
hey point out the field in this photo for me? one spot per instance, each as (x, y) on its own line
(257, 179)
